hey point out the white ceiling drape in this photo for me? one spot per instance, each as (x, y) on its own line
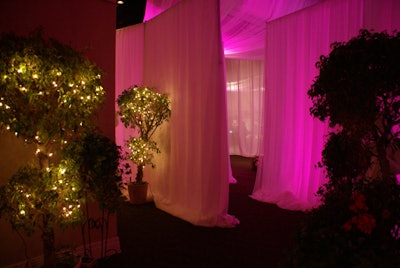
(242, 22)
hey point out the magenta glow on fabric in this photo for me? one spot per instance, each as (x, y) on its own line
(242, 22)
(180, 49)
(293, 141)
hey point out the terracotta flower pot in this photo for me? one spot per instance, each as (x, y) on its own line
(137, 192)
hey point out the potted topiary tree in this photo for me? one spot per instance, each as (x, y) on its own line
(48, 95)
(144, 110)
(358, 93)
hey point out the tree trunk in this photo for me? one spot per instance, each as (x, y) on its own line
(48, 243)
(139, 174)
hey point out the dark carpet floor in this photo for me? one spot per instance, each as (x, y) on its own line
(150, 237)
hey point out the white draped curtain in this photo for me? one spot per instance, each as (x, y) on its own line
(180, 53)
(293, 140)
(245, 95)
(129, 49)
(183, 57)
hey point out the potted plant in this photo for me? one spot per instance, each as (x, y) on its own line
(48, 95)
(358, 92)
(143, 110)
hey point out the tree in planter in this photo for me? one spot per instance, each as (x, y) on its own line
(358, 93)
(48, 96)
(144, 110)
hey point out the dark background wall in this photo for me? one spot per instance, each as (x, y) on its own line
(87, 25)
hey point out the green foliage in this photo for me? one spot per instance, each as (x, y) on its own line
(47, 90)
(350, 232)
(143, 109)
(98, 159)
(33, 193)
(359, 82)
(345, 156)
(358, 92)
(49, 94)
(141, 150)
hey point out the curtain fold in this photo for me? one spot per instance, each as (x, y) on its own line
(293, 140)
(183, 57)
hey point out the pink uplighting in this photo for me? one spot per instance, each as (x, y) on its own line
(195, 50)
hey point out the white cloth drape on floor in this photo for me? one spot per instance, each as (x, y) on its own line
(293, 140)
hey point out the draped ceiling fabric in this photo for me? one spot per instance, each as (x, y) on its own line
(242, 22)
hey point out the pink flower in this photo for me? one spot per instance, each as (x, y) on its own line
(359, 202)
(365, 223)
(347, 226)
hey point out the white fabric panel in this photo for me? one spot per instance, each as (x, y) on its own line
(245, 92)
(128, 69)
(293, 140)
(382, 15)
(183, 57)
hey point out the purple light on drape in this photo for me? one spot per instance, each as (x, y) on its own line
(242, 22)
